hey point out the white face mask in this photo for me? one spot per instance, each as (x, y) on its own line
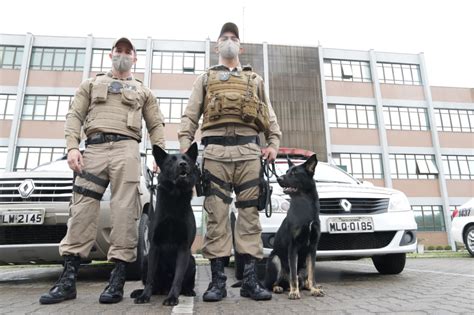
(228, 49)
(122, 63)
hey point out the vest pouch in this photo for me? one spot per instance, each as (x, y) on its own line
(129, 97)
(249, 110)
(231, 103)
(134, 119)
(263, 117)
(99, 93)
(214, 108)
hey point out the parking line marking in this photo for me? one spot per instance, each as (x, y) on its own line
(413, 270)
(185, 306)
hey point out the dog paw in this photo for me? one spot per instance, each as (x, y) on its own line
(306, 285)
(142, 299)
(136, 293)
(294, 295)
(171, 301)
(317, 291)
(277, 289)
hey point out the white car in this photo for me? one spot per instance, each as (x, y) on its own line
(357, 219)
(462, 226)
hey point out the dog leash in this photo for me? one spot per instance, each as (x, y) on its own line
(268, 171)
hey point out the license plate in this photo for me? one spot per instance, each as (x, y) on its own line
(22, 217)
(350, 225)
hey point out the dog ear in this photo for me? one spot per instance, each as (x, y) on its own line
(159, 154)
(193, 151)
(310, 164)
(290, 164)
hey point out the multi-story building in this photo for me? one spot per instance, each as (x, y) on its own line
(372, 113)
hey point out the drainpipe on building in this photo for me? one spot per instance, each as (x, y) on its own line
(20, 95)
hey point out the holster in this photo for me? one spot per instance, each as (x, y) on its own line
(265, 191)
(203, 186)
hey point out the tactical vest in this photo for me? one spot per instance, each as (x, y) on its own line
(115, 105)
(232, 98)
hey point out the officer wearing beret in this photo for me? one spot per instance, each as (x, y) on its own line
(109, 108)
(235, 110)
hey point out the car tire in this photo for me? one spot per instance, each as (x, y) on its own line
(469, 240)
(134, 270)
(390, 264)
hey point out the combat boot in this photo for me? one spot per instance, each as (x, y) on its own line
(216, 290)
(251, 287)
(113, 292)
(65, 287)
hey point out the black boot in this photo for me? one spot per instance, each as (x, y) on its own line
(251, 287)
(65, 287)
(113, 292)
(216, 290)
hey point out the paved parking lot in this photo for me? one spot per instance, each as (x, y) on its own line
(426, 286)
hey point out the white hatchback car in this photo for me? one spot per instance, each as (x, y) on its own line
(357, 219)
(462, 226)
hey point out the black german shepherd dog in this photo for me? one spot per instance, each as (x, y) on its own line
(292, 260)
(171, 266)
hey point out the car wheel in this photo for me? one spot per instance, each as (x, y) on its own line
(134, 270)
(390, 264)
(469, 240)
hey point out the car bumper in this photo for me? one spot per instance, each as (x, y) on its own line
(457, 227)
(392, 227)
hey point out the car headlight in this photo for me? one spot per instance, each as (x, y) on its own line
(280, 204)
(399, 202)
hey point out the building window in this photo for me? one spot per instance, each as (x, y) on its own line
(59, 59)
(3, 158)
(101, 61)
(455, 120)
(361, 165)
(429, 218)
(46, 107)
(11, 57)
(7, 106)
(172, 108)
(458, 166)
(352, 116)
(28, 158)
(347, 70)
(395, 73)
(413, 166)
(405, 118)
(178, 62)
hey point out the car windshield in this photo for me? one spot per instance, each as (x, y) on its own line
(55, 166)
(324, 173)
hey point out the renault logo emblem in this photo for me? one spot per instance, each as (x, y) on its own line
(346, 205)
(26, 188)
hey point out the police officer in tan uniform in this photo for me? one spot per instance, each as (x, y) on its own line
(235, 109)
(109, 108)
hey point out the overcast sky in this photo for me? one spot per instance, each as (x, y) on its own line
(443, 30)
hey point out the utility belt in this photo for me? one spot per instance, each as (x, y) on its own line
(100, 137)
(230, 140)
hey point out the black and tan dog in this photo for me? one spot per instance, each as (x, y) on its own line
(171, 266)
(292, 260)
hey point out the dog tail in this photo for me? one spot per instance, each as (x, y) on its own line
(272, 270)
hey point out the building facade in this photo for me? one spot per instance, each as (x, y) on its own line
(372, 113)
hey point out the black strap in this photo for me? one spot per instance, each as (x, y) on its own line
(220, 182)
(247, 185)
(224, 197)
(95, 179)
(246, 203)
(86, 192)
(230, 140)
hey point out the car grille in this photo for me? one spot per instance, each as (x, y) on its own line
(358, 205)
(355, 240)
(32, 234)
(46, 190)
(347, 241)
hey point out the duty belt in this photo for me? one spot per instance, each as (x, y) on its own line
(230, 141)
(98, 138)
